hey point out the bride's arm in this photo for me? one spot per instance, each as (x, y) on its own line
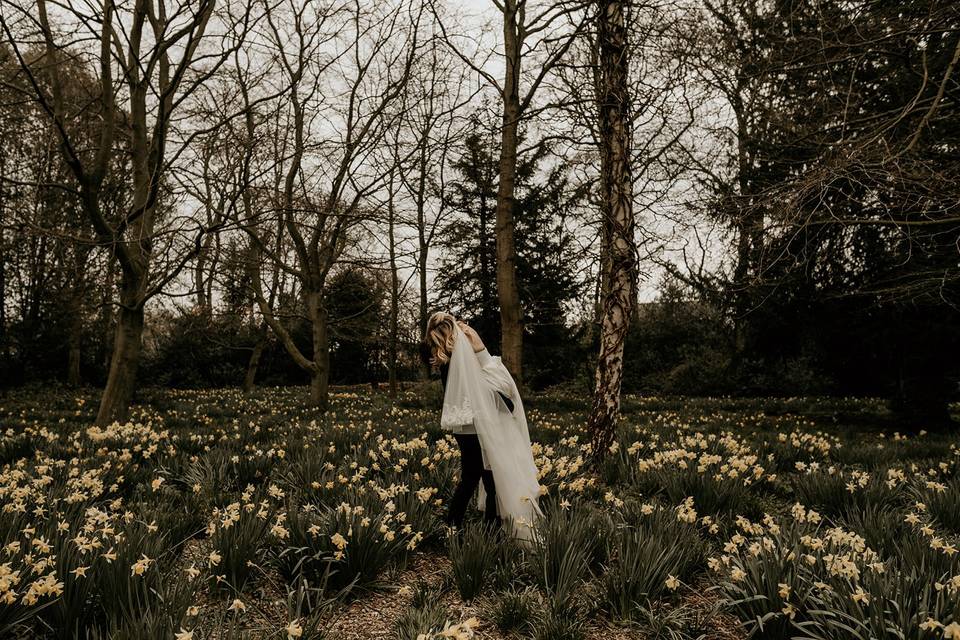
(497, 376)
(491, 367)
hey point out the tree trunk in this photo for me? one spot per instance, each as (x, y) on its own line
(74, 340)
(394, 304)
(320, 374)
(250, 379)
(4, 342)
(511, 314)
(619, 299)
(422, 269)
(106, 345)
(134, 258)
(749, 228)
(121, 381)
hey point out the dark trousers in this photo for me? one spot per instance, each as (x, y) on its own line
(472, 472)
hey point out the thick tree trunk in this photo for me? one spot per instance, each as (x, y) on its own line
(320, 374)
(134, 257)
(127, 341)
(250, 379)
(619, 299)
(511, 314)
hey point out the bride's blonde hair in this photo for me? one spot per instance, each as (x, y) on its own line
(440, 337)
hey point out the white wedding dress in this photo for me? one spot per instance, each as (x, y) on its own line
(471, 396)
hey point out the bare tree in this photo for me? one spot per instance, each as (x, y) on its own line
(543, 34)
(341, 68)
(432, 122)
(162, 58)
(49, 263)
(428, 121)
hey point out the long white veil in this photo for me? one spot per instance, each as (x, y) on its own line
(504, 438)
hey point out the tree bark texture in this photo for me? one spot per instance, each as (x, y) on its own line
(619, 298)
(511, 313)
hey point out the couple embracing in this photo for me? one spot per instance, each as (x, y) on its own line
(483, 410)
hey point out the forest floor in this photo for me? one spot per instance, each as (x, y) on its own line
(217, 515)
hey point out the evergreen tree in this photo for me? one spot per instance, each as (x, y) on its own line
(356, 301)
(546, 262)
(852, 176)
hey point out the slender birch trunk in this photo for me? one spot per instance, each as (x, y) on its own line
(618, 300)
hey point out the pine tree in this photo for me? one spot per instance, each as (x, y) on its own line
(466, 277)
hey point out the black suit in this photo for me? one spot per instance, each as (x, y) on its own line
(471, 473)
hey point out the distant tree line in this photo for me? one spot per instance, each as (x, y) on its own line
(243, 193)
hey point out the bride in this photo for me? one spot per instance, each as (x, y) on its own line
(483, 410)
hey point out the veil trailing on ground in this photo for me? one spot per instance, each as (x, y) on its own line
(471, 395)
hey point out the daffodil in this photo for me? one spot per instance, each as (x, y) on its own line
(293, 630)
